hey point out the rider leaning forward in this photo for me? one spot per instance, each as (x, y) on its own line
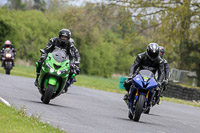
(66, 43)
(149, 60)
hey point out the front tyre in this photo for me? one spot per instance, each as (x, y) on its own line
(139, 108)
(48, 94)
(7, 71)
(7, 67)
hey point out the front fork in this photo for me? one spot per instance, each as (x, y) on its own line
(148, 98)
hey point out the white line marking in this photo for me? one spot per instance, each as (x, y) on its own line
(4, 101)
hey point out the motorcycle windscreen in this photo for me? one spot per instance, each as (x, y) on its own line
(59, 55)
(146, 73)
(137, 80)
(8, 53)
(152, 83)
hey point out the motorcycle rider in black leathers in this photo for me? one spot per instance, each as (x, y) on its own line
(149, 60)
(7, 44)
(66, 43)
(166, 68)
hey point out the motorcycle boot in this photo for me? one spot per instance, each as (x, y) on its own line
(130, 106)
(66, 87)
(125, 98)
(13, 63)
(68, 83)
(36, 80)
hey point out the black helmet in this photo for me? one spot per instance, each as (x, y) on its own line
(66, 33)
(161, 51)
(152, 51)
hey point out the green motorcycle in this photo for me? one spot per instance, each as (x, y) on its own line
(53, 75)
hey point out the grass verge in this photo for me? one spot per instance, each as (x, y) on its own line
(17, 121)
(192, 103)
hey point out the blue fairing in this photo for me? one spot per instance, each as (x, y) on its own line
(138, 81)
(141, 84)
(152, 84)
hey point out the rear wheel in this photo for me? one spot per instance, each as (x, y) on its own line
(139, 107)
(48, 94)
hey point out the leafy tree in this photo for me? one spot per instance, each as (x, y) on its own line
(173, 19)
(98, 30)
(29, 31)
(97, 25)
(40, 5)
(16, 4)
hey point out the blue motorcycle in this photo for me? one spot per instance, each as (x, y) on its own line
(144, 83)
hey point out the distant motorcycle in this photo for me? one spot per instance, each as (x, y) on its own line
(53, 75)
(144, 83)
(8, 60)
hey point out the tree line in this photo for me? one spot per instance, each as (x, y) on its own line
(108, 35)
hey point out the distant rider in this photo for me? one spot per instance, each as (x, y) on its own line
(166, 67)
(7, 44)
(65, 42)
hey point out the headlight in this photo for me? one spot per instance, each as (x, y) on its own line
(8, 55)
(58, 72)
(51, 70)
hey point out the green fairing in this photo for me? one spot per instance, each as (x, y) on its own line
(52, 81)
(56, 76)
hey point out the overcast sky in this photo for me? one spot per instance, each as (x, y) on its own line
(2, 2)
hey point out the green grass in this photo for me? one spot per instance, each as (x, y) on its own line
(194, 103)
(100, 83)
(17, 121)
(19, 70)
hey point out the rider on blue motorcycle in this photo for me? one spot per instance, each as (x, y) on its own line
(149, 60)
(66, 43)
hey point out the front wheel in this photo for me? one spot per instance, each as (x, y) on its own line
(139, 107)
(7, 71)
(48, 94)
(8, 67)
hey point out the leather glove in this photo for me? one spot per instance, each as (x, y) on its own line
(72, 66)
(159, 83)
(165, 82)
(44, 56)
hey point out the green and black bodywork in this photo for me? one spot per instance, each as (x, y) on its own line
(53, 75)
